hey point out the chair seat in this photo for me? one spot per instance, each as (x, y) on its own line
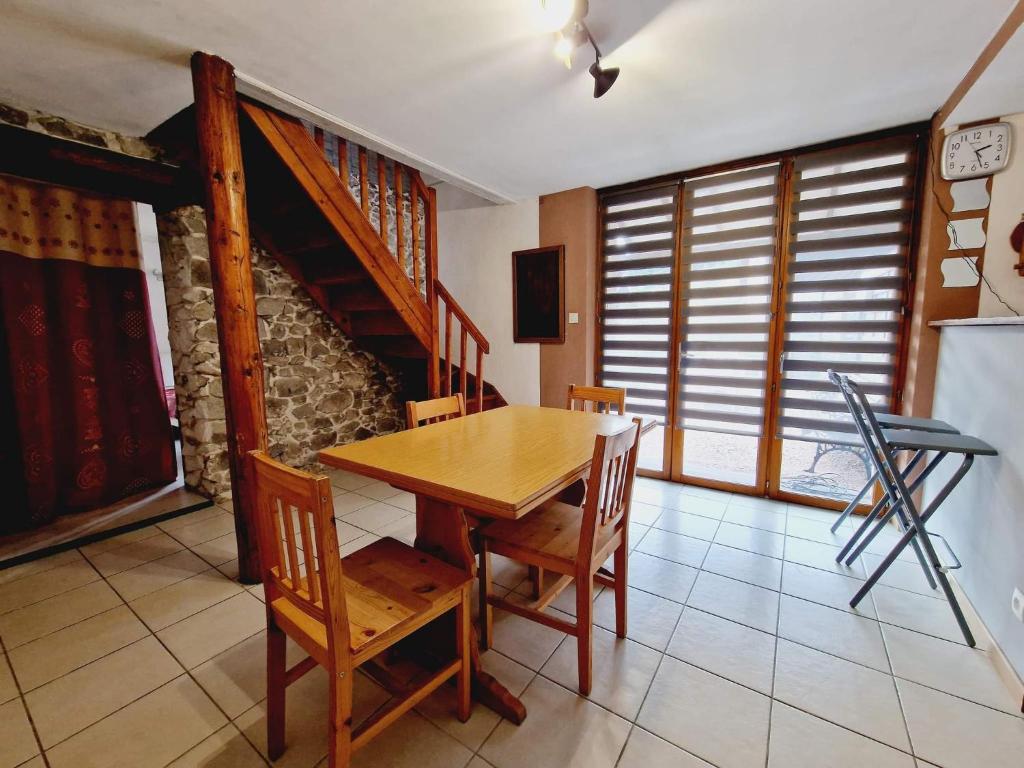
(895, 421)
(552, 531)
(390, 590)
(938, 441)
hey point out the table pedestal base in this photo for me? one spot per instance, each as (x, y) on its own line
(442, 531)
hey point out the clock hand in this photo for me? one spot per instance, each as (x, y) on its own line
(981, 148)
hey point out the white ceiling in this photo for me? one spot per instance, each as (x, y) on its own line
(472, 86)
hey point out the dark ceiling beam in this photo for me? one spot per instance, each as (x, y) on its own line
(67, 163)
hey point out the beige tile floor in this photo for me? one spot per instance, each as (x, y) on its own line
(742, 651)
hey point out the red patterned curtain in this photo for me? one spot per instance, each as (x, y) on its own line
(83, 420)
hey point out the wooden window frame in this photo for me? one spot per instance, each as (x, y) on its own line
(768, 467)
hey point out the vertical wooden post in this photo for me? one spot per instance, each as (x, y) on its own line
(382, 197)
(479, 378)
(400, 218)
(364, 182)
(343, 169)
(430, 253)
(227, 221)
(463, 348)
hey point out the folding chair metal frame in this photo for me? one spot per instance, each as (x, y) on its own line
(883, 446)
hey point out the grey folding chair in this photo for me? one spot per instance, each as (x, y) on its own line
(884, 444)
(887, 421)
(884, 505)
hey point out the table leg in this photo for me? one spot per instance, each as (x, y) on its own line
(442, 531)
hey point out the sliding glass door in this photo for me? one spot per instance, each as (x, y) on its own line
(726, 297)
(728, 249)
(848, 239)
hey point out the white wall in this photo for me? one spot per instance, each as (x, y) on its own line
(475, 264)
(148, 239)
(1003, 215)
(977, 388)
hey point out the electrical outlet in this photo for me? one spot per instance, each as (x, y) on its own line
(574, 317)
(1017, 604)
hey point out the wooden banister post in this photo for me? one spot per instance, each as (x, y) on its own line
(430, 253)
(227, 220)
(479, 378)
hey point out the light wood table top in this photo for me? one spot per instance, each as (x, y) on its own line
(501, 463)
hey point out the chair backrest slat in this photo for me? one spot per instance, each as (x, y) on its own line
(311, 552)
(600, 399)
(432, 411)
(295, 512)
(285, 512)
(610, 487)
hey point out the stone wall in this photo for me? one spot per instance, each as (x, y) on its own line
(321, 389)
(59, 127)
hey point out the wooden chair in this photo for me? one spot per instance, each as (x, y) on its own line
(345, 612)
(556, 537)
(601, 398)
(431, 411)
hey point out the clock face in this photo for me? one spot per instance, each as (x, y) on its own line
(978, 151)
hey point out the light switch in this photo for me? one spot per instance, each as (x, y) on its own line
(574, 317)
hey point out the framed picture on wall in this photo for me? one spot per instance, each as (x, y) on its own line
(538, 295)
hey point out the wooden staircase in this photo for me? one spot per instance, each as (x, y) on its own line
(314, 211)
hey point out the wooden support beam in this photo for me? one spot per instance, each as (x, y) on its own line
(241, 362)
(995, 45)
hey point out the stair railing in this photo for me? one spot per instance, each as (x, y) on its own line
(414, 246)
(408, 197)
(467, 330)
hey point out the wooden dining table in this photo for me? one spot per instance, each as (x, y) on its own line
(495, 464)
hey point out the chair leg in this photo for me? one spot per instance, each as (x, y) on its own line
(621, 588)
(463, 625)
(339, 748)
(585, 628)
(276, 668)
(486, 611)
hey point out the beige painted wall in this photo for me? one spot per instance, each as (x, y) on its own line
(569, 218)
(1003, 215)
(475, 247)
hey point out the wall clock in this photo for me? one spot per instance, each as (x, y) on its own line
(977, 151)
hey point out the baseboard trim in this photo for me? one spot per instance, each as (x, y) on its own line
(81, 541)
(1006, 671)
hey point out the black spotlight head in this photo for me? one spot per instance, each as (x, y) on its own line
(603, 78)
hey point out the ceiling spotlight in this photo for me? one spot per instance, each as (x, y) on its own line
(604, 78)
(556, 14)
(563, 49)
(568, 40)
(565, 18)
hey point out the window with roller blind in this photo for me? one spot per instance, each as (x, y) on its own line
(638, 241)
(726, 296)
(851, 212)
(728, 261)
